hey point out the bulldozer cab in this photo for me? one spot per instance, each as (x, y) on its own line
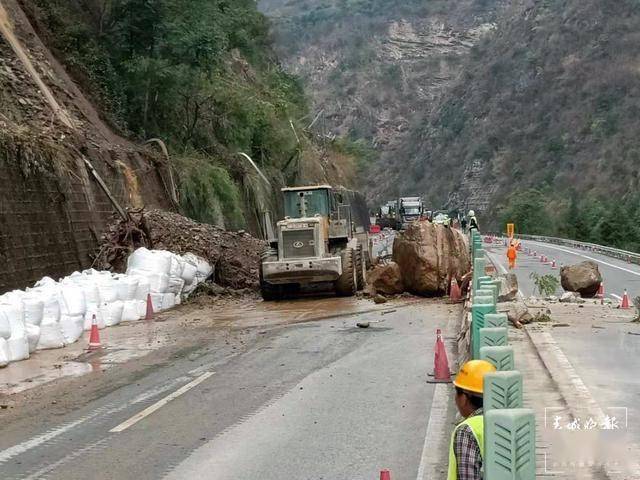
(322, 201)
(305, 202)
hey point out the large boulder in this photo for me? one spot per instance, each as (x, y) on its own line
(583, 278)
(386, 279)
(430, 256)
(508, 288)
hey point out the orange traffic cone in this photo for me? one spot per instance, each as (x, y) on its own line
(149, 315)
(441, 372)
(553, 264)
(625, 301)
(535, 254)
(454, 292)
(385, 475)
(94, 337)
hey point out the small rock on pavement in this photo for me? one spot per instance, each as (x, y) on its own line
(508, 288)
(570, 297)
(362, 324)
(378, 299)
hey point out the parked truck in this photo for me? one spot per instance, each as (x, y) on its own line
(322, 241)
(409, 210)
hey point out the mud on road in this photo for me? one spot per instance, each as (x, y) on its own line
(54, 382)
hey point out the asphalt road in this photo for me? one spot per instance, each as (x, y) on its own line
(617, 275)
(603, 349)
(319, 400)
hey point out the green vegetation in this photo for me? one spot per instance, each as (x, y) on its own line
(613, 222)
(546, 285)
(201, 75)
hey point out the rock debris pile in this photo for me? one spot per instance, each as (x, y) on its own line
(235, 256)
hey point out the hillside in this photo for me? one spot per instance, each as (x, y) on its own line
(373, 68)
(541, 127)
(84, 85)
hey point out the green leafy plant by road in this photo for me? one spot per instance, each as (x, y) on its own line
(546, 285)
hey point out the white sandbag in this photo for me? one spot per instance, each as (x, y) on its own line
(33, 335)
(176, 266)
(175, 285)
(45, 282)
(204, 268)
(126, 286)
(168, 301)
(90, 289)
(50, 336)
(107, 288)
(148, 261)
(93, 309)
(178, 300)
(50, 297)
(130, 311)
(158, 282)
(72, 300)
(33, 308)
(156, 301)
(143, 289)
(71, 328)
(4, 353)
(142, 308)
(189, 272)
(5, 326)
(18, 348)
(112, 313)
(16, 319)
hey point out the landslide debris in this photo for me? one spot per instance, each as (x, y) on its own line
(429, 256)
(235, 255)
(584, 278)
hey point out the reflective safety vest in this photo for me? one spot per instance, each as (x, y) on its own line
(476, 423)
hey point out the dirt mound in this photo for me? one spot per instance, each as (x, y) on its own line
(235, 255)
(429, 256)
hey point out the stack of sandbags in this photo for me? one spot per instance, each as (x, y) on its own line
(155, 266)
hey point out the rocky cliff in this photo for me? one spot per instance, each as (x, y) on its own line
(374, 69)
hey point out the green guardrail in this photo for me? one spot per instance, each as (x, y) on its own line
(500, 357)
(510, 444)
(503, 390)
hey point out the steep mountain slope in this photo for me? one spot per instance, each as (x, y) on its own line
(550, 102)
(85, 83)
(372, 66)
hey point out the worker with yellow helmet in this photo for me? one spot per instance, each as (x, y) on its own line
(466, 451)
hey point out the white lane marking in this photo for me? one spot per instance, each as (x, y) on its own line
(38, 440)
(589, 258)
(160, 403)
(436, 430)
(11, 452)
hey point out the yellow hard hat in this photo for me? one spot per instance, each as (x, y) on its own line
(471, 374)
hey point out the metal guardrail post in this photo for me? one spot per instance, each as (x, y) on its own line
(496, 320)
(510, 444)
(503, 390)
(501, 357)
